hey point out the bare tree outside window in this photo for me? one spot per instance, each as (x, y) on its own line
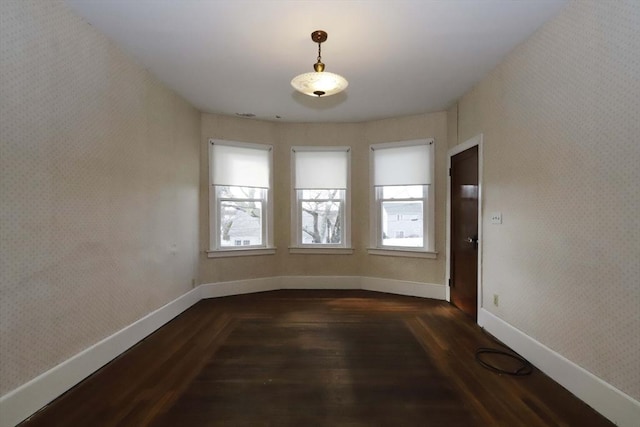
(241, 215)
(322, 216)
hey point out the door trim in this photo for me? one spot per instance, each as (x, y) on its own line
(472, 142)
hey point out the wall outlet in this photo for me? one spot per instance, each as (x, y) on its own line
(496, 300)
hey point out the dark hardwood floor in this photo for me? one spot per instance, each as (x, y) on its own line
(314, 358)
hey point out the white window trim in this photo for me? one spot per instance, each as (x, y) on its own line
(215, 251)
(375, 235)
(297, 247)
(403, 252)
(226, 253)
(331, 250)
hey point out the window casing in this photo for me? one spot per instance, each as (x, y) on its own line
(402, 211)
(320, 197)
(240, 201)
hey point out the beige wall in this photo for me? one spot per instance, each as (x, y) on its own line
(561, 155)
(356, 135)
(99, 189)
(452, 126)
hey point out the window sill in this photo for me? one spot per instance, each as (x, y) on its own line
(408, 253)
(321, 251)
(225, 253)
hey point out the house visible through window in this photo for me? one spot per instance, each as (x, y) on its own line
(402, 211)
(321, 206)
(240, 202)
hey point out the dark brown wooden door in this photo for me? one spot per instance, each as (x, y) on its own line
(464, 231)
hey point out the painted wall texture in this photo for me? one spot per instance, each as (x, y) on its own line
(561, 155)
(358, 136)
(99, 189)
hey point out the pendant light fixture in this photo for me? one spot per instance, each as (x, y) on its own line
(319, 83)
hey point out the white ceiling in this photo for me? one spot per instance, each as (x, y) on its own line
(400, 57)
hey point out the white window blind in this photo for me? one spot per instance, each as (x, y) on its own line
(241, 166)
(404, 165)
(321, 169)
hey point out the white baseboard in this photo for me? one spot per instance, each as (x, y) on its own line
(318, 282)
(615, 405)
(24, 401)
(402, 287)
(237, 287)
(391, 286)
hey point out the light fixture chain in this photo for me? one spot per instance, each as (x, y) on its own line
(319, 52)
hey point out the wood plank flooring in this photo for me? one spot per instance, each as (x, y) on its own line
(314, 358)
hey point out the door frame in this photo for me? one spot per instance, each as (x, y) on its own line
(471, 142)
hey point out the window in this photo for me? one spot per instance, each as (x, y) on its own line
(320, 206)
(402, 215)
(240, 197)
(402, 210)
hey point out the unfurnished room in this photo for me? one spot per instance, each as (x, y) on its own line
(319, 213)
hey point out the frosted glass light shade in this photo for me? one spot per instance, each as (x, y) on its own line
(319, 83)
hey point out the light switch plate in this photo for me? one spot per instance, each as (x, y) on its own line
(496, 218)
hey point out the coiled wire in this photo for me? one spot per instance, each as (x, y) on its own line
(525, 368)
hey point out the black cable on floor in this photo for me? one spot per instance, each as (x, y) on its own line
(526, 367)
